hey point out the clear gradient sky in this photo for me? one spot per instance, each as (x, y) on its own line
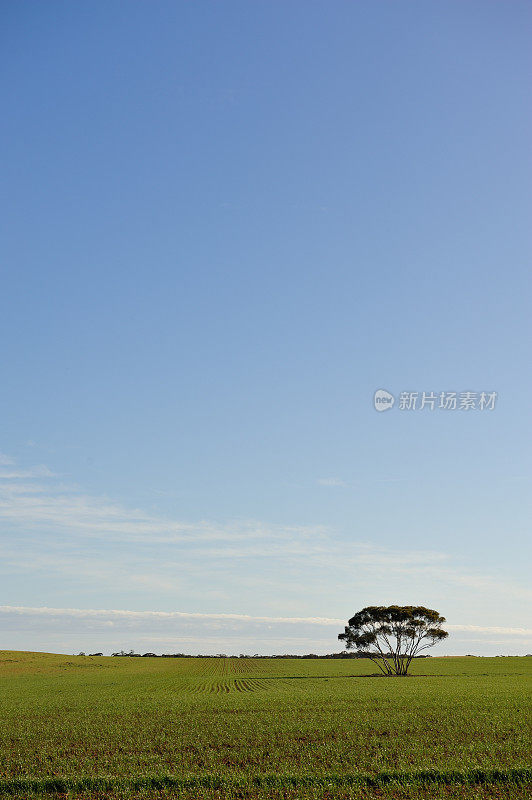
(224, 226)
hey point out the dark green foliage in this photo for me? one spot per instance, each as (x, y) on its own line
(49, 786)
(393, 635)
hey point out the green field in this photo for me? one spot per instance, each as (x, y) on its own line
(191, 728)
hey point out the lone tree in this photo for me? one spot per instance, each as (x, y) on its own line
(392, 636)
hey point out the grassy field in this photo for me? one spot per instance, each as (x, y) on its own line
(194, 728)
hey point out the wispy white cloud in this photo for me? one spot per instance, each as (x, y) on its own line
(40, 471)
(487, 629)
(36, 506)
(97, 516)
(116, 615)
(54, 529)
(334, 482)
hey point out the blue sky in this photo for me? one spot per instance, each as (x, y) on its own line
(224, 226)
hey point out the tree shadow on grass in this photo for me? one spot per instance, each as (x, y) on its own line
(335, 677)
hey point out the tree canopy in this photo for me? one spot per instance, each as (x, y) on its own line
(391, 636)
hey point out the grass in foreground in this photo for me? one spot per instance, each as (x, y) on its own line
(261, 728)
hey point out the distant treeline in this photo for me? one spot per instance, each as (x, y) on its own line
(132, 654)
